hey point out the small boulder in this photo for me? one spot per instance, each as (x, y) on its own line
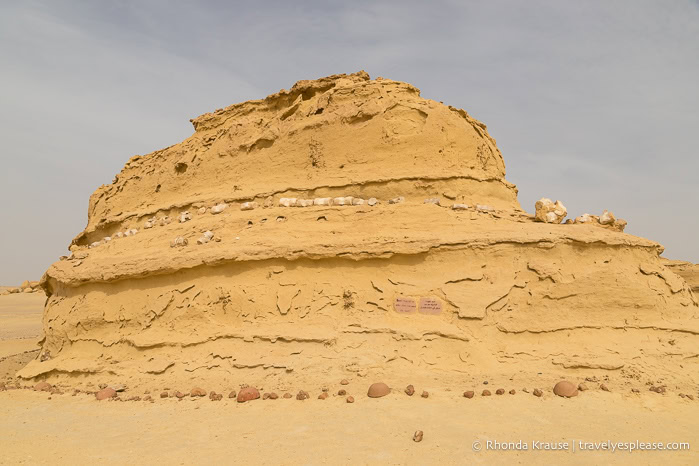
(288, 395)
(512, 392)
(425, 394)
(323, 396)
(164, 395)
(565, 389)
(410, 390)
(538, 392)
(604, 387)
(43, 387)
(500, 391)
(344, 382)
(273, 396)
(196, 391)
(248, 394)
(378, 389)
(548, 211)
(469, 394)
(106, 393)
(417, 437)
(232, 394)
(485, 393)
(350, 399)
(582, 387)
(302, 395)
(342, 392)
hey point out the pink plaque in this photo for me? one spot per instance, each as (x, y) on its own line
(405, 305)
(431, 306)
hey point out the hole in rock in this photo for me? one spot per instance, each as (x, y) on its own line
(281, 219)
(157, 189)
(319, 111)
(322, 218)
(180, 167)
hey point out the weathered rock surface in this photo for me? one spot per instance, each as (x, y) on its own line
(271, 293)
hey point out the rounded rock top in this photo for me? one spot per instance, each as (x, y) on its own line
(378, 389)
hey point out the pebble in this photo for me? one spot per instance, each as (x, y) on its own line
(218, 208)
(459, 206)
(512, 392)
(691, 397)
(372, 201)
(106, 393)
(500, 391)
(434, 200)
(164, 395)
(344, 382)
(322, 396)
(378, 389)
(425, 394)
(604, 387)
(397, 200)
(273, 396)
(179, 395)
(417, 437)
(288, 395)
(147, 398)
(248, 206)
(232, 394)
(302, 395)
(248, 394)
(565, 389)
(469, 394)
(342, 392)
(582, 387)
(196, 391)
(410, 390)
(538, 392)
(213, 396)
(350, 399)
(485, 393)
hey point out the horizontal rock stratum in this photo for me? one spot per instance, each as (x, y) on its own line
(349, 226)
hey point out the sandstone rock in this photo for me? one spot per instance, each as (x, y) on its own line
(585, 218)
(302, 395)
(410, 390)
(248, 206)
(148, 225)
(118, 387)
(179, 242)
(269, 202)
(484, 208)
(273, 396)
(397, 200)
(201, 211)
(218, 208)
(232, 394)
(350, 399)
(512, 392)
(147, 398)
(322, 396)
(342, 392)
(604, 387)
(500, 391)
(425, 394)
(206, 237)
(288, 395)
(469, 394)
(538, 392)
(459, 207)
(607, 218)
(164, 395)
(372, 201)
(548, 211)
(106, 393)
(358, 201)
(433, 200)
(582, 387)
(378, 389)
(179, 395)
(248, 394)
(196, 391)
(324, 201)
(95, 244)
(565, 389)
(344, 382)
(213, 396)
(417, 437)
(165, 220)
(185, 217)
(485, 393)
(287, 202)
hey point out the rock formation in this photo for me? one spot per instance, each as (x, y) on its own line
(275, 269)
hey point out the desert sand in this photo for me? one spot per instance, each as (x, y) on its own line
(346, 229)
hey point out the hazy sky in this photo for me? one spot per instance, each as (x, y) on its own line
(595, 103)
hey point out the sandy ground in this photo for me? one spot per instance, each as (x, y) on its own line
(37, 428)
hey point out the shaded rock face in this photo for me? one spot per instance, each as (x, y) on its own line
(318, 248)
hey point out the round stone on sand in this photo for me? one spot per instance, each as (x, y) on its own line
(344, 382)
(500, 391)
(232, 394)
(196, 391)
(342, 392)
(604, 387)
(302, 395)
(106, 393)
(425, 394)
(469, 394)
(410, 390)
(512, 392)
(565, 389)
(288, 395)
(582, 387)
(538, 392)
(485, 393)
(163, 395)
(323, 396)
(417, 437)
(350, 399)
(378, 389)
(248, 394)
(273, 396)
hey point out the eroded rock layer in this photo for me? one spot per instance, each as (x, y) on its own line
(407, 253)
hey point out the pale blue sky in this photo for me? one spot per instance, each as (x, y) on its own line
(594, 103)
